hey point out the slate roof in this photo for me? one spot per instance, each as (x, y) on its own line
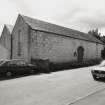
(10, 28)
(48, 27)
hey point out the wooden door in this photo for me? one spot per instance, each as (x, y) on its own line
(80, 53)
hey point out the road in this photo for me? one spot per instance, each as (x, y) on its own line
(59, 88)
(97, 98)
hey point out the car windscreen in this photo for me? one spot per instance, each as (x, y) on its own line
(14, 62)
(102, 63)
(1, 62)
(18, 63)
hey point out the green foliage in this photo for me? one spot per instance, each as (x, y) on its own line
(73, 65)
(95, 33)
(103, 39)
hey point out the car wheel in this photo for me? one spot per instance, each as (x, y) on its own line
(8, 74)
(95, 77)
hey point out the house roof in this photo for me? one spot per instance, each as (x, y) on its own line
(9, 27)
(48, 27)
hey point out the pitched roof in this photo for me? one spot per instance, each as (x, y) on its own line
(9, 27)
(48, 27)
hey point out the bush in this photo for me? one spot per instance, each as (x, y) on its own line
(73, 64)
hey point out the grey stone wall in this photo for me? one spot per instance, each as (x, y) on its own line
(47, 46)
(4, 53)
(20, 28)
(61, 49)
(5, 41)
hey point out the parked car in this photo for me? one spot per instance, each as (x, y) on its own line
(14, 67)
(99, 71)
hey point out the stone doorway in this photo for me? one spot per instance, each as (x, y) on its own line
(80, 53)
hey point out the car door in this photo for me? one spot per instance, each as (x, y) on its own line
(12, 67)
(22, 67)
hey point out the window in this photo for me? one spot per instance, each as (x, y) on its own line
(19, 43)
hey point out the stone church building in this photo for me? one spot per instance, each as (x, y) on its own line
(33, 39)
(5, 42)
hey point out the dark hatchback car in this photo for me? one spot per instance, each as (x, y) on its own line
(15, 67)
(99, 71)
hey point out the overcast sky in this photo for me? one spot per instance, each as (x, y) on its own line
(81, 15)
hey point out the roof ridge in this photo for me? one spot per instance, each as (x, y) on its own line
(54, 28)
(51, 23)
(9, 27)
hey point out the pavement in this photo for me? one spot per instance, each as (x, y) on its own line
(58, 88)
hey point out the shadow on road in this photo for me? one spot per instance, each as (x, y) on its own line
(8, 78)
(14, 77)
(100, 80)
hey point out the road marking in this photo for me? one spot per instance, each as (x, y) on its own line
(81, 98)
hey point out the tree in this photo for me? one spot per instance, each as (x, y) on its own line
(95, 33)
(103, 39)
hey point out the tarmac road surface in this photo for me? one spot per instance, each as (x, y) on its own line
(97, 98)
(59, 88)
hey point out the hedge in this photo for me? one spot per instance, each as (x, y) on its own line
(73, 64)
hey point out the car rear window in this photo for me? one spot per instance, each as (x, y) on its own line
(21, 63)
